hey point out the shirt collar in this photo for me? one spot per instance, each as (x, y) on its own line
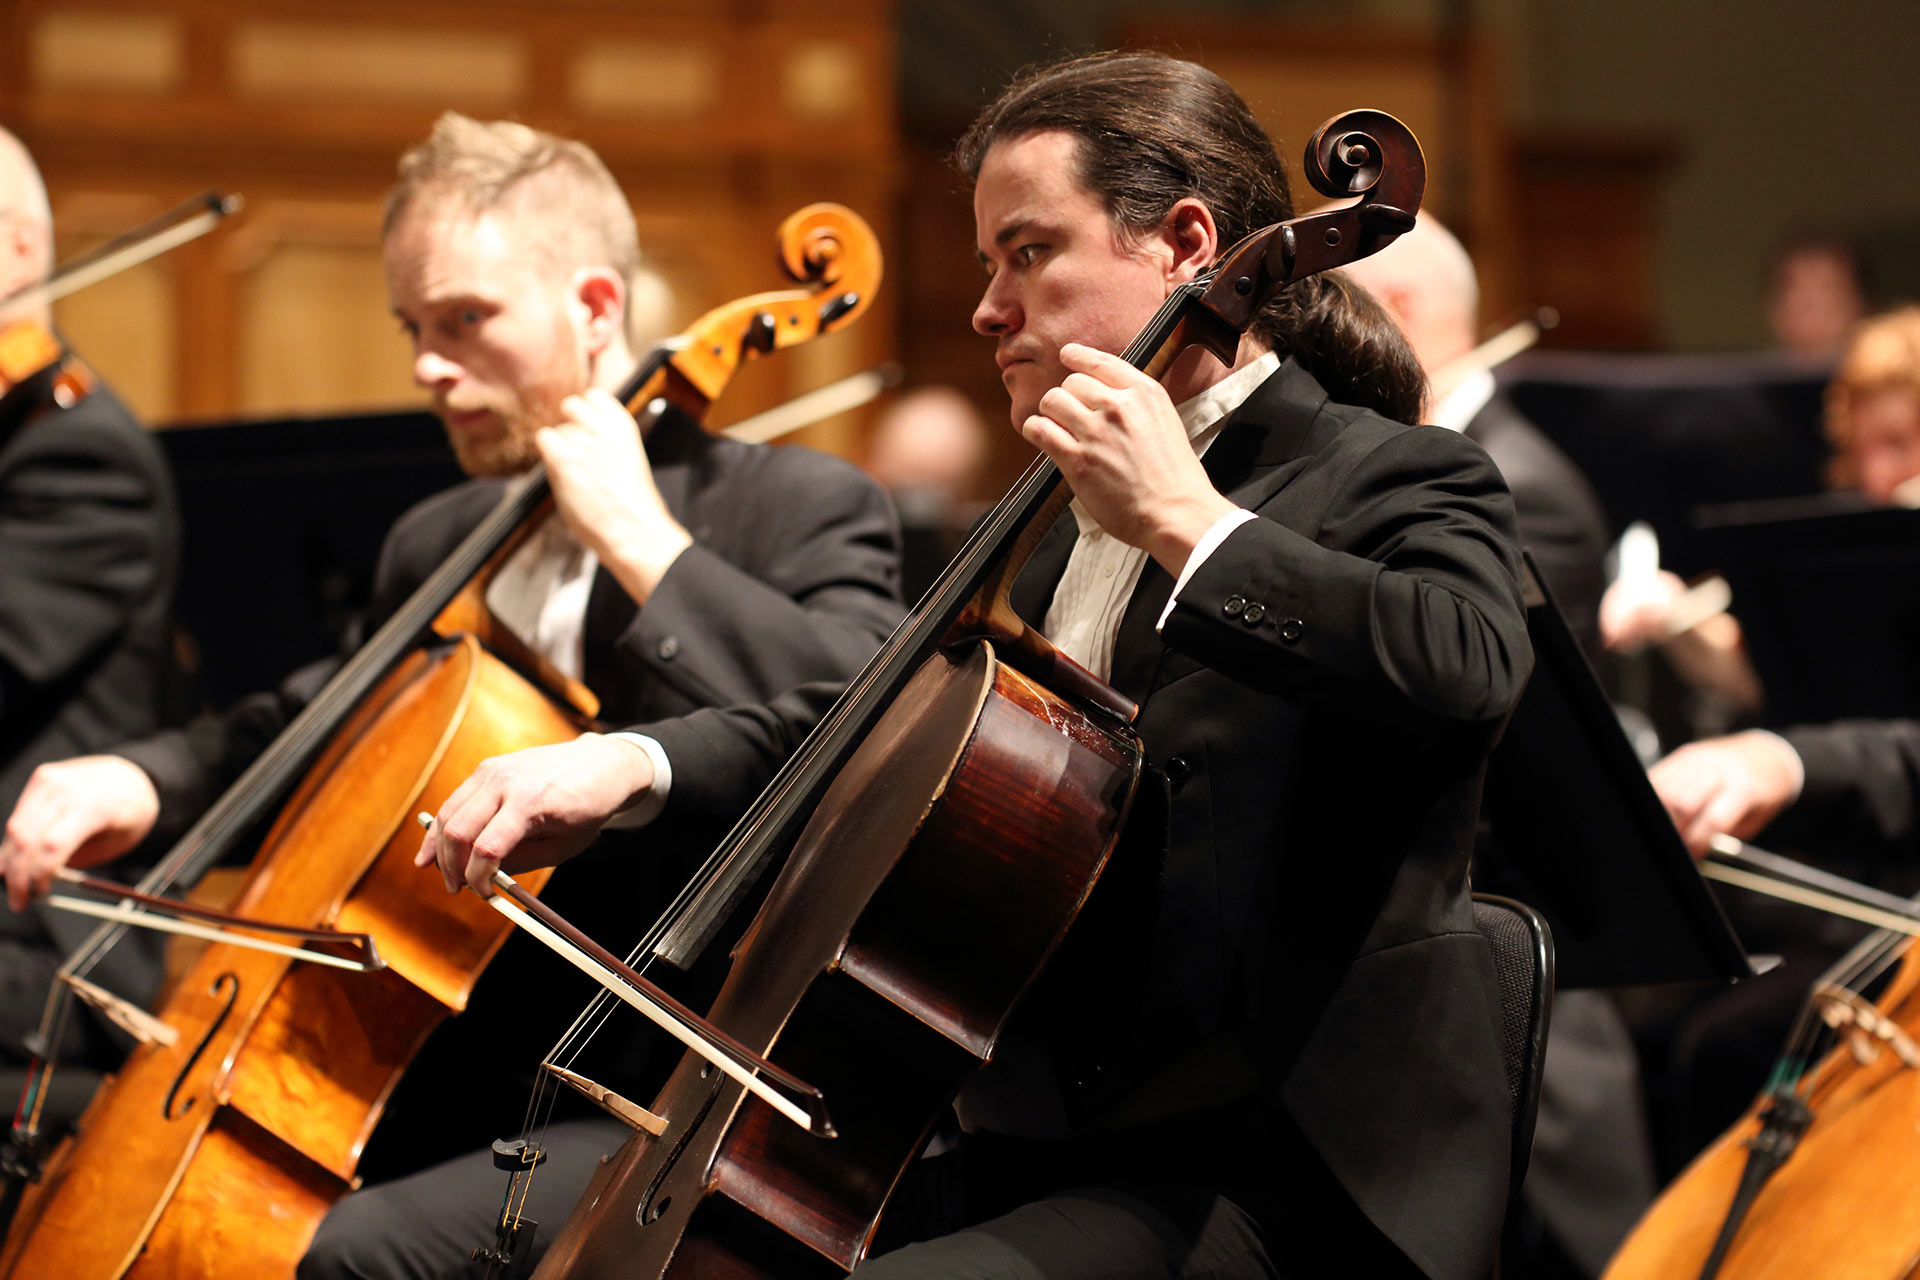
(1203, 414)
(1468, 397)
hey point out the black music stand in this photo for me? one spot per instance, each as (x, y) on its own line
(1579, 835)
(1827, 591)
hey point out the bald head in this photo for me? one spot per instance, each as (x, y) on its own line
(26, 223)
(930, 441)
(1426, 281)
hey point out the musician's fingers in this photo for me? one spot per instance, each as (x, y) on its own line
(1050, 438)
(429, 851)
(62, 833)
(1105, 367)
(504, 832)
(466, 814)
(1699, 830)
(17, 885)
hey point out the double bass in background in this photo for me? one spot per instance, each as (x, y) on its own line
(1314, 714)
(221, 1143)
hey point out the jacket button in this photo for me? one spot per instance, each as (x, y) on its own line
(1255, 612)
(1291, 630)
(1233, 606)
(669, 649)
(1178, 771)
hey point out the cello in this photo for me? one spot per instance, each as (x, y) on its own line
(242, 1115)
(29, 348)
(976, 785)
(1821, 1177)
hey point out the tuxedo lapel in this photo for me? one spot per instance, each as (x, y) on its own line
(1266, 440)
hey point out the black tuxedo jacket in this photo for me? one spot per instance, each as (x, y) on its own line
(1560, 518)
(89, 546)
(1321, 703)
(1862, 792)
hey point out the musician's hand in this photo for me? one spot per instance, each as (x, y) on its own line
(1118, 440)
(1733, 786)
(533, 808)
(79, 812)
(606, 494)
(1635, 612)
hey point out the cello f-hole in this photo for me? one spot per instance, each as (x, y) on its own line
(647, 1212)
(228, 984)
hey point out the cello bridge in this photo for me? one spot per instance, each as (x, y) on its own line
(1864, 1028)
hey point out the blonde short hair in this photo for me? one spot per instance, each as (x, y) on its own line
(480, 167)
(1882, 353)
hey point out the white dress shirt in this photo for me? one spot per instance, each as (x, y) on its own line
(1468, 397)
(540, 594)
(1102, 571)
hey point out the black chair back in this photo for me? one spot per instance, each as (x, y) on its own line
(1523, 961)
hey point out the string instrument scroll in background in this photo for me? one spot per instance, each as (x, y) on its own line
(941, 867)
(228, 1134)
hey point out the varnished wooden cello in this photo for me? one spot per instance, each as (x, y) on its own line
(980, 782)
(1820, 1179)
(233, 1128)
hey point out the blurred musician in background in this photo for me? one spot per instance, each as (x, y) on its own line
(1428, 285)
(694, 572)
(1873, 426)
(1736, 785)
(1842, 795)
(929, 450)
(1817, 289)
(1591, 1175)
(89, 544)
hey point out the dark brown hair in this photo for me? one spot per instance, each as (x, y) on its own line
(1154, 130)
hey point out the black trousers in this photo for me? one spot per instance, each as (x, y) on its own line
(426, 1226)
(1168, 1203)
(992, 1210)
(1122, 1231)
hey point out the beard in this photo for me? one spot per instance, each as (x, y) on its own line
(502, 443)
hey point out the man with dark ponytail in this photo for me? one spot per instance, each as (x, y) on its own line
(1290, 1063)
(1315, 607)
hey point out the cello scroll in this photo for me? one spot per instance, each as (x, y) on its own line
(829, 250)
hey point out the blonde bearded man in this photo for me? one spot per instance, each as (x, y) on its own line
(691, 573)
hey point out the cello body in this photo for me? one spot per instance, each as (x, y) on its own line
(864, 972)
(232, 1142)
(1845, 1205)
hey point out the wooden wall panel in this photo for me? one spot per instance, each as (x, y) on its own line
(718, 119)
(1296, 76)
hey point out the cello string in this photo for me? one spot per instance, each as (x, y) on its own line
(1868, 960)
